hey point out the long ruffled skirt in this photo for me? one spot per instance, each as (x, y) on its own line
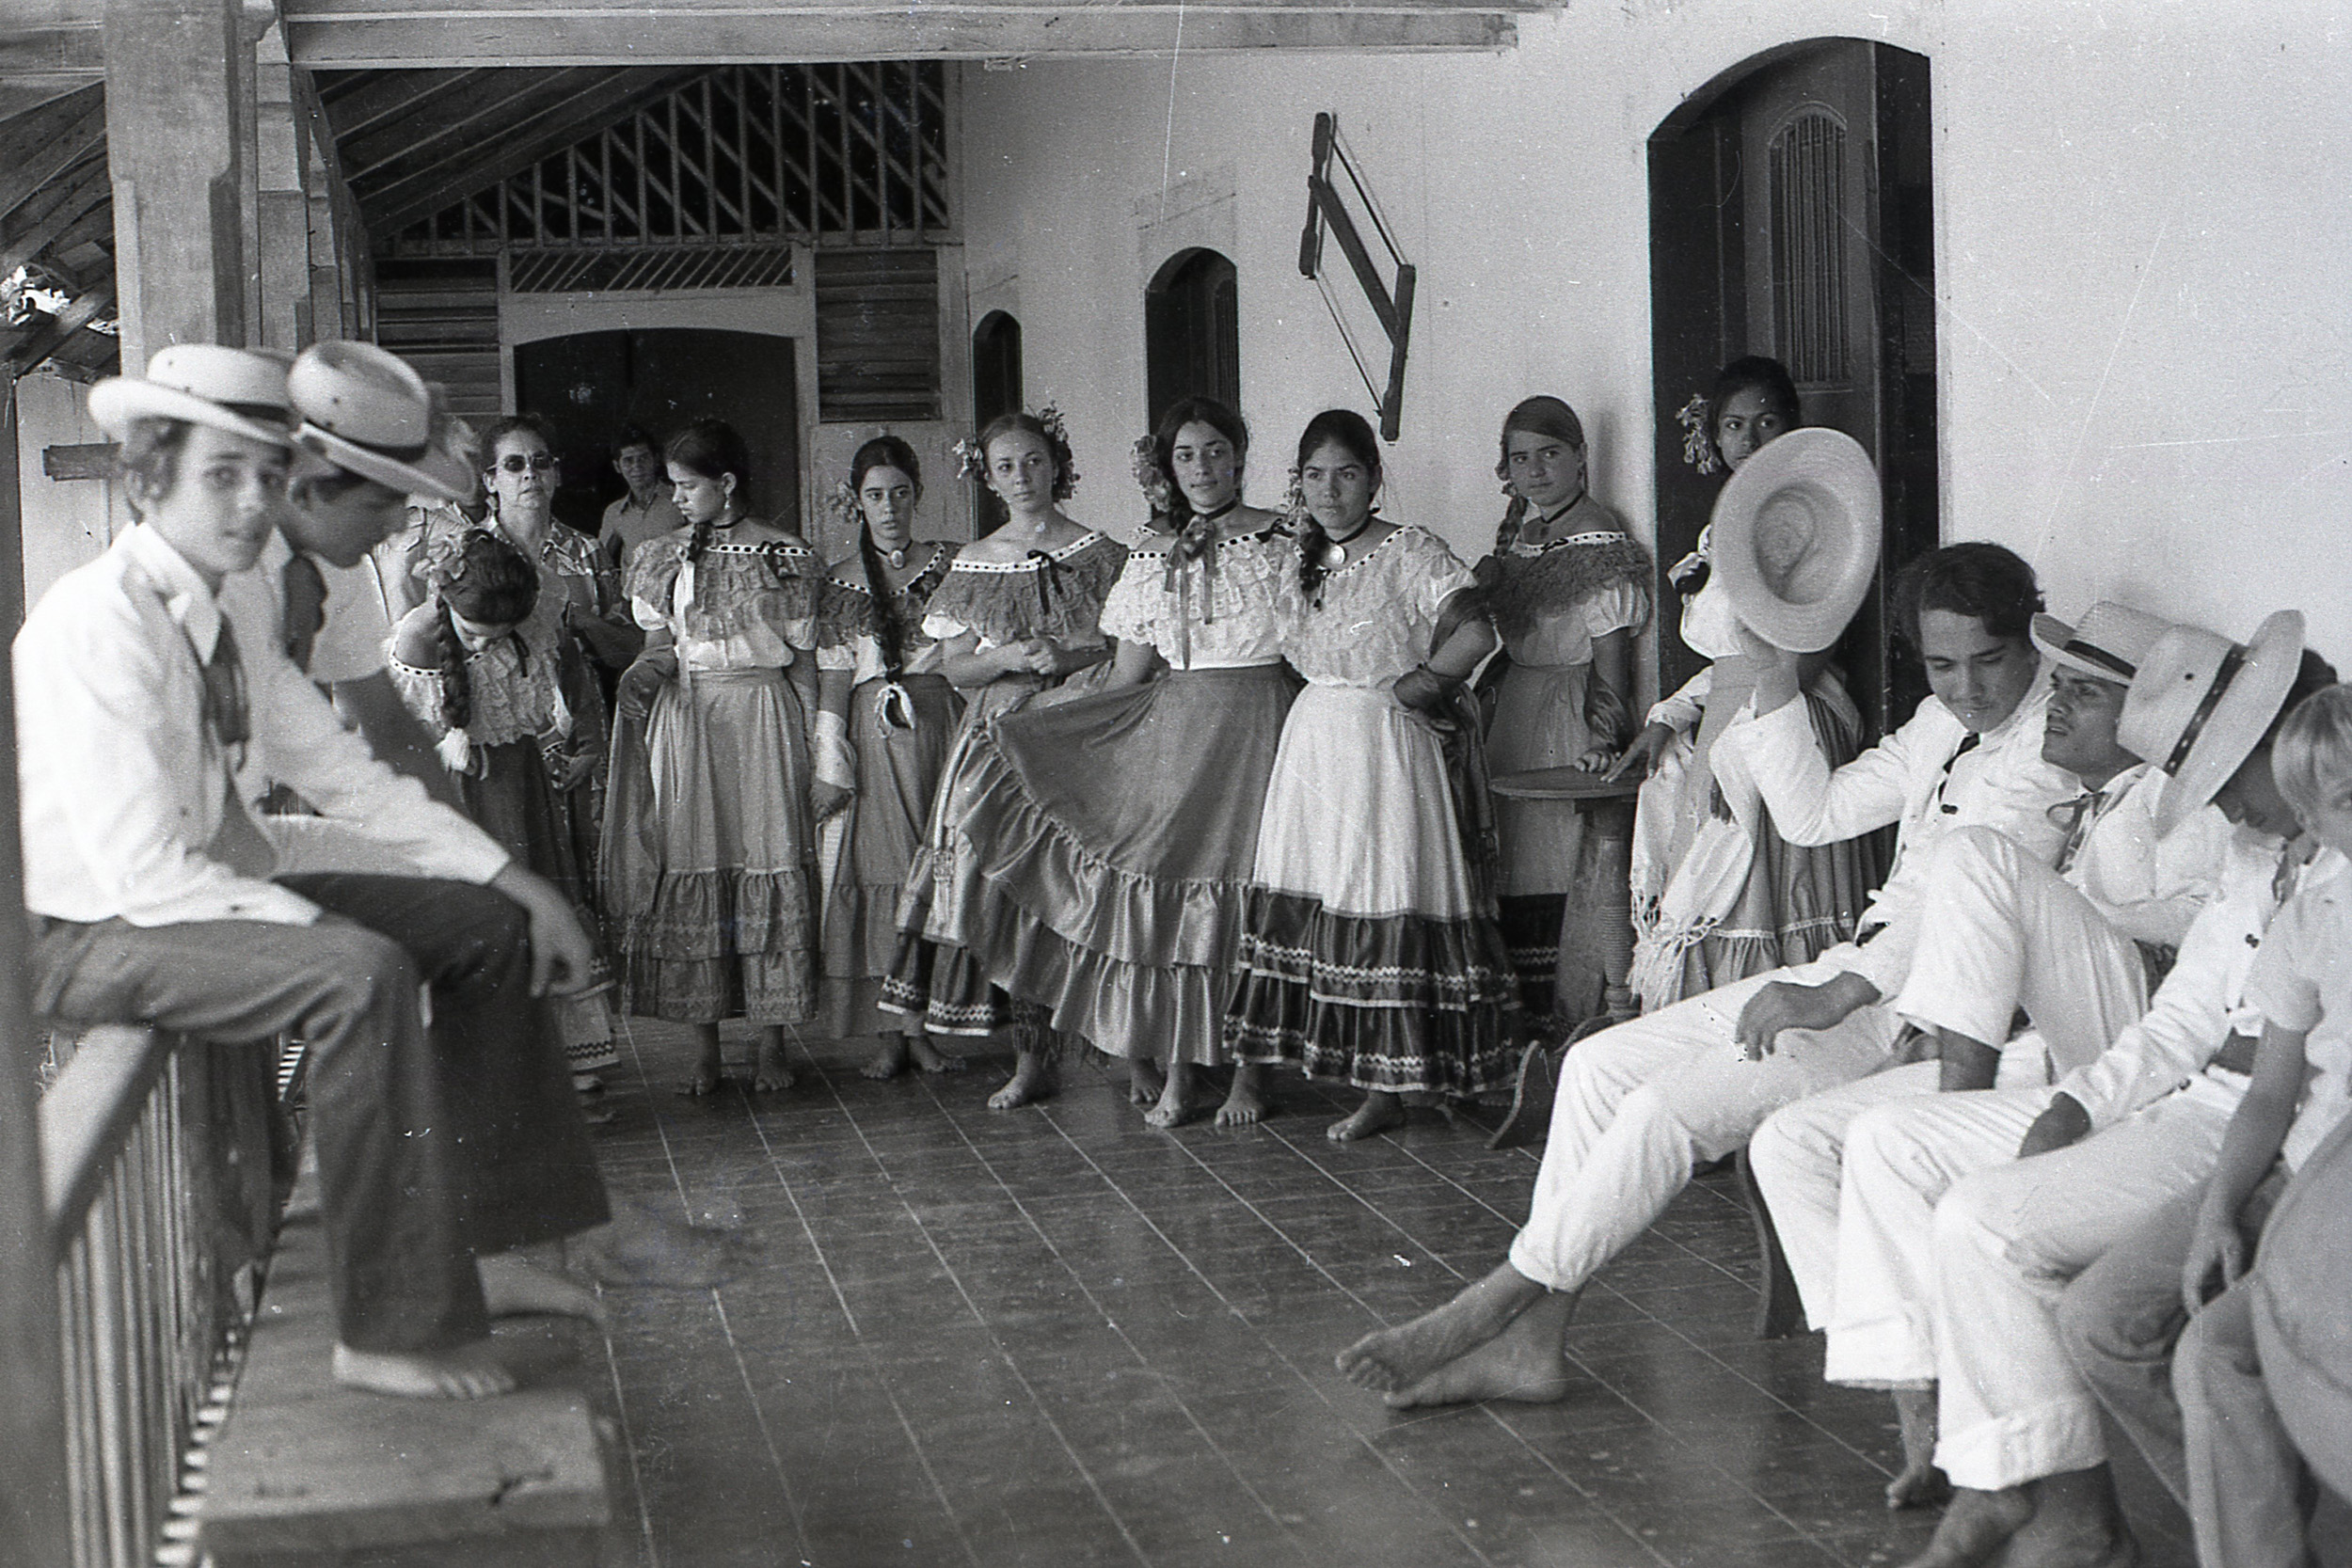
(1104, 855)
(727, 929)
(876, 840)
(1366, 955)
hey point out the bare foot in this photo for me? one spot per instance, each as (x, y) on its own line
(1398, 1357)
(1921, 1484)
(1144, 1084)
(928, 1056)
(1032, 1080)
(1974, 1526)
(2077, 1523)
(638, 1247)
(1245, 1103)
(1377, 1114)
(514, 1287)
(467, 1372)
(1176, 1105)
(889, 1058)
(1524, 1362)
(588, 1082)
(710, 1074)
(774, 1077)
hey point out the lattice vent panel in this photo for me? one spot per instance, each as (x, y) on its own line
(550, 271)
(1808, 191)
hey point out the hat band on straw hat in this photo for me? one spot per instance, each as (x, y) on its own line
(2090, 653)
(2231, 662)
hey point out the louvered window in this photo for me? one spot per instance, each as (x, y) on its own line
(1809, 205)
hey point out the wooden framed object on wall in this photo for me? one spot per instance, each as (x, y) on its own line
(1339, 204)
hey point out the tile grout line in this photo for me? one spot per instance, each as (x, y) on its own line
(652, 1557)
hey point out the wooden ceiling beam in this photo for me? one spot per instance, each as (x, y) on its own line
(45, 341)
(359, 102)
(82, 195)
(385, 34)
(36, 147)
(453, 112)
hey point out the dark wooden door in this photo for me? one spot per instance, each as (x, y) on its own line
(1790, 215)
(591, 384)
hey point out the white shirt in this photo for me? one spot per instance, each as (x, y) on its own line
(1913, 779)
(2149, 887)
(2302, 981)
(350, 643)
(124, 788)
(2201, 1002)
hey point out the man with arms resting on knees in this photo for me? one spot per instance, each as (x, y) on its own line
(1639, 1103)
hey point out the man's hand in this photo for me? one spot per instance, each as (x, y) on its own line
(574, 770)
(1784, 1005)
(2063, 1123)
(2217, 1257)
(563, 960)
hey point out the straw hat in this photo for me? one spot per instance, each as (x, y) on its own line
(364, 410)
(2107, 644)
(2201, 704)
(233, 390)
(1796, 541)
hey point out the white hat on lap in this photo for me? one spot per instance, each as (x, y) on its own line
(1796, 537)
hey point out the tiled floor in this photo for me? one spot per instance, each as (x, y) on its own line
(1056, 1337)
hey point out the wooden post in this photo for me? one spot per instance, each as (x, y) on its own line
(179, 105)
(35, 1503)
(283, 215)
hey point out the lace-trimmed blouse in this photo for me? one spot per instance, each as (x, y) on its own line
(1199, 619)
(844, 619)
(1379, 614)
(744, 605)
(1058, 594)
(1551, 601)
(513, 679)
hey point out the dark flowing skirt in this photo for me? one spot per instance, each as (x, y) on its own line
(897, 773)
(1369, 953)
(725, 926)
(1104, 857)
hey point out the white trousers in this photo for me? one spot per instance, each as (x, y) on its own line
(1639, 1103)
(2001, 1248)
(2009, 932)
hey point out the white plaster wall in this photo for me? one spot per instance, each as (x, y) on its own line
(66, 522)
(2143, 265)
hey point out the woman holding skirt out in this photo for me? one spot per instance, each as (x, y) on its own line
(708, 851)
(1369, 950)
(1113, 835)
(885, 719)
(1016, 614)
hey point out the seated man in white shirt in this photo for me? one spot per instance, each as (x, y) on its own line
(2061, 942)
(1639, 1103)
(152, 900)
(1976, 1208)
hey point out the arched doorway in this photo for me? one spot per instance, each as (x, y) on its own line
(995, 367)
(1791, 214)
(1192, 331)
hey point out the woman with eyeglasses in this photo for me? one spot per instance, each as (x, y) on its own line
(885, 718)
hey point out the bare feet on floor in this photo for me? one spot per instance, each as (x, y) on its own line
(514, 1287)
(710, 1074)
(1144, 1084)
(469, 1372)
(1524, 1362)
(640, 1247)
(1975, 1527)
(2077, 1523)
(1921, 1484)
(930, 1057)
(1377, 1114)
(1395, 1359)
(1245, 1103)
(1178, 1102)
(772, 1077)
(1032, 1080)
(896, 1053)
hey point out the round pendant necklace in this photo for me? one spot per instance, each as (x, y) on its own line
(898, 559)
(1335, 553)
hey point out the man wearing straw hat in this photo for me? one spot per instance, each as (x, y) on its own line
(2070, 945)
(155, 896)
(1796, 538)
(2010, 1193)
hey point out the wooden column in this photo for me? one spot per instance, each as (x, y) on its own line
(179, 110)
(33, 1502)
(283, 215)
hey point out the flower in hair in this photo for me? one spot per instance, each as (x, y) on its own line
(1698, 445)
(1143, 460)
(1294, 503)
(971, 460)
(842, 502)
(1058, 431)
(444, 559)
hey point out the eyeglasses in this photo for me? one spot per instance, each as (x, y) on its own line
(538, 462)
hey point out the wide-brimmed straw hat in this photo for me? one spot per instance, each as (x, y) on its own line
(1796, 541)
(234, 389)
(366, 411)
(2201, 704)
(2107, 643)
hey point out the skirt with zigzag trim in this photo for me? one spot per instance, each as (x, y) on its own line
(1367, 956)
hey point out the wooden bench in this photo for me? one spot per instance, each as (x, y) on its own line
(308, 1472)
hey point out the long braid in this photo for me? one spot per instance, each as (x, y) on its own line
(1514, 518)
(1312, 542)
(696, 542)
(886, 628)
(457, 683)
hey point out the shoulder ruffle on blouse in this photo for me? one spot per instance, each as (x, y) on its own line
(1058, 594)
(773, 583)
(514, 680)
(845, 611)
(1556, 578)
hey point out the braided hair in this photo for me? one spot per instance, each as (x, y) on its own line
(1537, 416)
(1184, 411)
(1347, 430)
(712, 448)
(883, 451)
(494, 585)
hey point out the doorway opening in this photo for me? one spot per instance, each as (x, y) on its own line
(590, 384)
(1192, 332)
(1791, 214)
